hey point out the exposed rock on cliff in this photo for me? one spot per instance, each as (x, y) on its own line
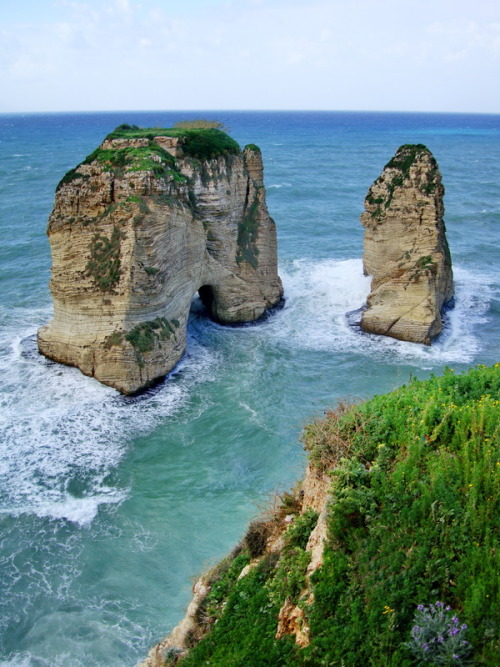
(405, 249)
(265, 541)
(146, 221)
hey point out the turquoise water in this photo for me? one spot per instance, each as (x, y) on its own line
(110, 506)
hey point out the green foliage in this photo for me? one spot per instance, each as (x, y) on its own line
(204, 141)
(244, 635)
(152, 158)
(423, 265)
(145, 336)
(247, 236)
(71, 175)
(299, 531)
(208, 144)
(104, 263)
(414, 518)
(252, 147)
(424, 262)
(289, 578)
(151, 270)
(222, 581)
(405, 156)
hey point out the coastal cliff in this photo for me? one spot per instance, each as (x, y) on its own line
(146, 221)
(387, 552)
(405, 249)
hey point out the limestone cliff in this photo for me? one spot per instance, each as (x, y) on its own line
(405, 249)
(144, 223)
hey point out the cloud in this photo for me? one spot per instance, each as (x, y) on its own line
(250, 54)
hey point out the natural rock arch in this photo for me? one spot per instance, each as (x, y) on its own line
(144, 223)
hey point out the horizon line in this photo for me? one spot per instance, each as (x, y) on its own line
(191, 111)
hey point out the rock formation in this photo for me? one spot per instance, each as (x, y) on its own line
(138, 228)
(405, 249)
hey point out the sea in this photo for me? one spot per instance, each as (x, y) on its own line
(110, 507)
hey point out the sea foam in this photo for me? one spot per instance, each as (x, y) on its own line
(320, 294)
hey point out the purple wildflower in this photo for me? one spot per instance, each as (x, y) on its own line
(455, 656)
(420, 607)
(454, 620)
(453, 631)
(464, 626)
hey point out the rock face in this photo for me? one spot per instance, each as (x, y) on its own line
(144, 223)
(313, 493)
(405, 249)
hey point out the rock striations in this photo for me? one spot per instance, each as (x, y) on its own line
(144, 223)
(405, 249)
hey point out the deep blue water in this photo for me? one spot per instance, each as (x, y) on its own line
(110, 506)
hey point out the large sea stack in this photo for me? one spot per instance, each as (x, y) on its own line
(405, 249)
(145, 222)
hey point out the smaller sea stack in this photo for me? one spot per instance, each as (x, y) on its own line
(405, 249)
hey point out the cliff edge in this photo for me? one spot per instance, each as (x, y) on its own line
(405, 249)
(386, 554)
(146, 221)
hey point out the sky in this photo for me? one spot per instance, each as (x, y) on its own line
(385, 55)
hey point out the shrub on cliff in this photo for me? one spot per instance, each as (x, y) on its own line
(413, 522)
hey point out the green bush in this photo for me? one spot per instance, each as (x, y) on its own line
(145, 336)
(244, 635)
(413, 520)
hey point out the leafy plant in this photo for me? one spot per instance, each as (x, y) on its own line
(104, 263)
(146, 335)
(247, 236)
(438, 637)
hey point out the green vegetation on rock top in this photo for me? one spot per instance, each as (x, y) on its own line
(203, 142)
(405, 156)
(413, 524)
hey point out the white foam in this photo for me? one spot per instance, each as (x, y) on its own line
(279, 185)
(320, 293)
(62, 433)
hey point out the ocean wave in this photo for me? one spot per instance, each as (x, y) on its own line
(62, 433)
(279, 185)
(319, 294)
